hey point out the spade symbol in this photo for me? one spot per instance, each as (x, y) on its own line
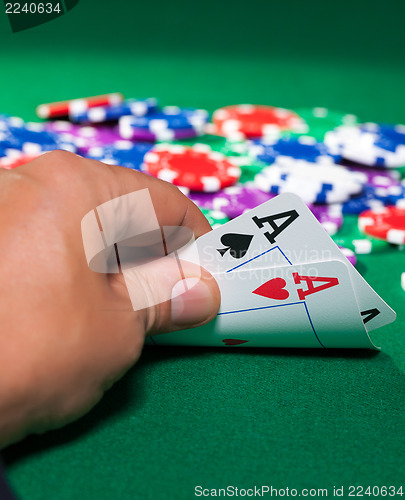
(237, 244)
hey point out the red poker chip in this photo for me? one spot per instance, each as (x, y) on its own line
(251, 120)
(385, 223)
(64, 108)
(197, 168)
(10, 162)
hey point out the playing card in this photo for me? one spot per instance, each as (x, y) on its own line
(279, 232)
(311, 305)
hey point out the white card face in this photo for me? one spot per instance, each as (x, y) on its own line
(311, 305)
(282, 231)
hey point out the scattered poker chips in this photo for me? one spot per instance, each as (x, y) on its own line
(367, 144)
(250, 121)
(135, 107)
(306, 148)
(387, 223)
(348, 173)
(197, 168)
(66, 108)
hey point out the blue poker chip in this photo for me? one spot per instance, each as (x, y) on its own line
(319, 192)
(124, 153)
(371, 198)
(171, 117)
(300, 148)
(136, 107)
(32, 138)
(388, 137)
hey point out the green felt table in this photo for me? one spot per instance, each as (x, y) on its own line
(184, 417)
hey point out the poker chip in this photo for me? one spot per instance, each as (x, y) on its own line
(370, 198)
(65, 108)
(305, 190)
(99, 114)
(312, 182)
(128, 131)
(366, 145)
(349, 254)
(387, 136)
(197, 167)
(306, 148)
(124, 153)
(329, 172)
(216, 218)
(32, 138)
(329, 216)
(232, 201)
(85, 137)
(403, 281)
(320, 120)
(171, 117)
(249, 120)
(136, 107)
(387, 223)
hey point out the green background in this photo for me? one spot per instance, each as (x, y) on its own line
(210, 417)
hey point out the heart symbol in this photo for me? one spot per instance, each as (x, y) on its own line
(234, 341)
(273, 289)
(238, 244)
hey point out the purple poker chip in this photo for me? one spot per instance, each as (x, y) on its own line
(85, 137)
(349, 254)
(232, 201)
(330, 217)
(204, 200)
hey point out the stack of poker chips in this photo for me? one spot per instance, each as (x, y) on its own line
(348, 172)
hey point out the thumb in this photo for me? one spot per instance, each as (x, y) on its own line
(172, 295)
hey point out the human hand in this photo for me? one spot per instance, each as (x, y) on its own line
(68, 333)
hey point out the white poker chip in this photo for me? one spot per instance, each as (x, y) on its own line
(366, 145)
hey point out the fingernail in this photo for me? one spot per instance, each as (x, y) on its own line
(192, 302)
